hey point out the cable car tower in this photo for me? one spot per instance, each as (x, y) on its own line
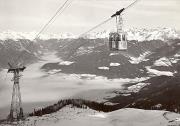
(16, 110)
(118, 39)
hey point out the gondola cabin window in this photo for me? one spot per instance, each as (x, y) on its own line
(117, 41)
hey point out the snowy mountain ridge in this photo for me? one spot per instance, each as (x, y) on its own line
(152, 34)
(132, 34)
(142, 34)
(31, 35)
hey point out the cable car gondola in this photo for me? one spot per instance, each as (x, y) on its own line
(118, 40)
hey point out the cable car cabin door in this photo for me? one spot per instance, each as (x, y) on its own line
(114, 45)
(122, 43)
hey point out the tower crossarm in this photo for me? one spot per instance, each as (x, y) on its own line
(118, 13)
(12, 70)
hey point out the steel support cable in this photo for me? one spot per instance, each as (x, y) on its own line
(95, 27)
(131, 4)
(67, 6)
(107, 20)
(56, 13)
(61, 10)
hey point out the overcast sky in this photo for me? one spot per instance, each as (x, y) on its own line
(31, 15)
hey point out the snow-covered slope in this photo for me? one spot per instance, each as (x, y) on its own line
(152, 34)
(69, 116)
(132, 34)
(95, 58)
(31, 35)
(142, 34)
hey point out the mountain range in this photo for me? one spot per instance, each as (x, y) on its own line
(132, 34)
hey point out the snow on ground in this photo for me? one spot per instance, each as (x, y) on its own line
(157, 72)
(177, 55)
(174, 60)
(164, 61)
(103, 68)
(137, 87)
(114, 64)
(142, 57)
(66, 63)
(113, 54)
(69, 116)
(84, 50)
(54, 71)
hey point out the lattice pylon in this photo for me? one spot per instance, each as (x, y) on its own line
(16, 110)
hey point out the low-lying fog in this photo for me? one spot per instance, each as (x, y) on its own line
(38, 88)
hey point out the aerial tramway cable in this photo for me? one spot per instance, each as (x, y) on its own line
(107, 20)
(56, 13)
(67, 6)
(95, 27)
(59, 11)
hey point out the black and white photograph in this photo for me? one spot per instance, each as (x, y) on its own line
(89, 62)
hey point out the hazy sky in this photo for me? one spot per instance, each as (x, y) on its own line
(31, 15)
